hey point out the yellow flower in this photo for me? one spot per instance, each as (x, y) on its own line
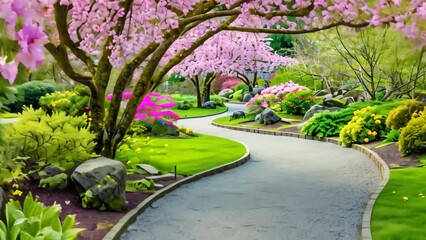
(377, 122)
(405, 198)
(53, 105)
(370, 133)
(129, 162)
(373, 115)
(138, 149)
(356, 112)
(420, 194)
(366, 140)
(15, 185)
(16, 192)
(374, 133)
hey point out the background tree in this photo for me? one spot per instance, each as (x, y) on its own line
(380, 58)
(242, 51)
(132, 35)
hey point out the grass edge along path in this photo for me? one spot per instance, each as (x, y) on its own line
(398, 211)
(198, 112)
(190, 154)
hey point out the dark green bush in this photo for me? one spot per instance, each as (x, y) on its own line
(29, 95)
(400, 116)
(72, 103)
(298, 103)
(413, 136)
(327, 124)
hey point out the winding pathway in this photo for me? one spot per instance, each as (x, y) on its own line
(291, 188)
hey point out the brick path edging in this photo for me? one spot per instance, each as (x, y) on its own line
(118, 229)
(365, 228)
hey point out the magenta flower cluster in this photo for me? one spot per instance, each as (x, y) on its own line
(230, 83)
(153, 107)
(281, 90)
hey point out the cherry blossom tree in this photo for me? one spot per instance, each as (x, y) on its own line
(139, 37)
(242, 51)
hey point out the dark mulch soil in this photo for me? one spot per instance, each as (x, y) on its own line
(97, 223)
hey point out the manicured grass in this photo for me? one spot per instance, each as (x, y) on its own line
(290, 116)
(235, 122)
(190, 154)
(9, 115)
(198, 112)
(394, 218)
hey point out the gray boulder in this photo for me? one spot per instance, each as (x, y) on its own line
(247, 97)
(257, 90)
(237, 115)
(209, 105)
(267, 117)
(321, 93)
(162, 127)
(3, 202)
(340, 91)
(358, 95)
(101, 184)
(333, 102)
(319, 108)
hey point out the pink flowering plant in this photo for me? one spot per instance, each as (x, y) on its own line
(153, 107)
(230, 83)
(282, 89)
(299, 102)
(260, 102)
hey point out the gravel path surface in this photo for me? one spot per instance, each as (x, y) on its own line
(290, 189)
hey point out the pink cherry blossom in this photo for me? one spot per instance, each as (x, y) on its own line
(31, 39)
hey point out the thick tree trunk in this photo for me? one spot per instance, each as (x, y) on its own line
(206, 92)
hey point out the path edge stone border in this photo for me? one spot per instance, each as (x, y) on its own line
(118, 229)
(365, 228)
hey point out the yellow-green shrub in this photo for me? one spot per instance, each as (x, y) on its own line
(413, 136)
(366, 125)
(399, 117)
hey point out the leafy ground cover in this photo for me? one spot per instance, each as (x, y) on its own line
(190, 155)
(397, 213)
(198, 112)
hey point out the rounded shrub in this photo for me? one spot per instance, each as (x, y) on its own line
(365, 126)
(72, 103)
(29, 95)
(400, 116)
(260, 102)
(413, 136)
(299, 102)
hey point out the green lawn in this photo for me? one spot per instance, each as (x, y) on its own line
(190, 155)
(290, 116)
(250, 118)
(235, 122)
(198, 112)
(396, 218)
